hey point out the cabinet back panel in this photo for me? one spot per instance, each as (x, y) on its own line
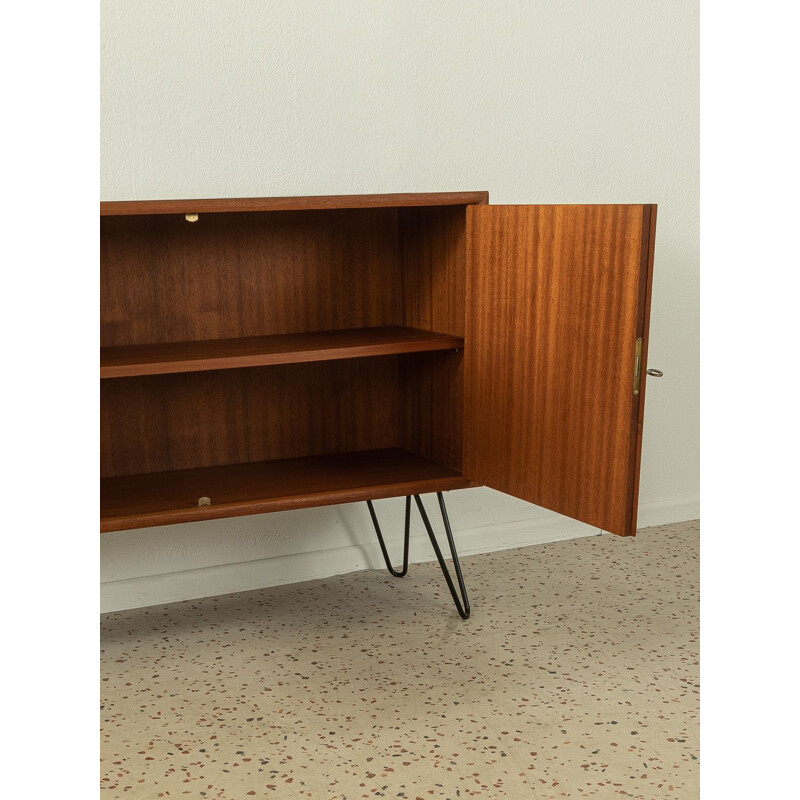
(164, 279)
(171, 422)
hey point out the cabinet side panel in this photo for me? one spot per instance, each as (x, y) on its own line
(172, 422)
(432, 386)
(433, 266)
(227, 276)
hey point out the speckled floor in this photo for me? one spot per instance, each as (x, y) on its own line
(577, 676)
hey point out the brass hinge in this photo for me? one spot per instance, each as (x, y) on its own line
(637, 367)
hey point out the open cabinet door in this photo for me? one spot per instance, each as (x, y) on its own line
(557, 297)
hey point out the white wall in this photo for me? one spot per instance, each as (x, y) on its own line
(545, 101)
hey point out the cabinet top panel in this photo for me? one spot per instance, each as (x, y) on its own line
(126, 207)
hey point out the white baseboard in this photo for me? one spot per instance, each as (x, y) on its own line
(149, 590)
(662, 512)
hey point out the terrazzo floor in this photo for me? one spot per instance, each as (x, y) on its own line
(576, 676)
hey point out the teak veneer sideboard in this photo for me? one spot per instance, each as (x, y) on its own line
(269, 354)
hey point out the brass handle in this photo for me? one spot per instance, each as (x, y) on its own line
(655, 373)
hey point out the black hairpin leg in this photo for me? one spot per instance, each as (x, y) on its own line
(383, 544)
(462, 602)
(462, 606)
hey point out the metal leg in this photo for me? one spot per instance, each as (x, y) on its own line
(383, 544)
(462, 606)
(462, 603)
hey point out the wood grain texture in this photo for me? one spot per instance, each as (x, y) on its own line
(432, 406)
(554, 307)
(433, 266)
(295, 348)
(228, 205)
(162, 423)
(231, 276)
(138, 501)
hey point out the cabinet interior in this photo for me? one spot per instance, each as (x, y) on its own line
(240, 286)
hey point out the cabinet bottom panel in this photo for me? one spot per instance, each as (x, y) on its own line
(162, 498)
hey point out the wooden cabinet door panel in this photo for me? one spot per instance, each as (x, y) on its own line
(556, 299)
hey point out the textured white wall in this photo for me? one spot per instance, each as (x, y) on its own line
(545, 101)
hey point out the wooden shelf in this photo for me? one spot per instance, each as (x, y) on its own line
(257, 351)
(140, 501)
